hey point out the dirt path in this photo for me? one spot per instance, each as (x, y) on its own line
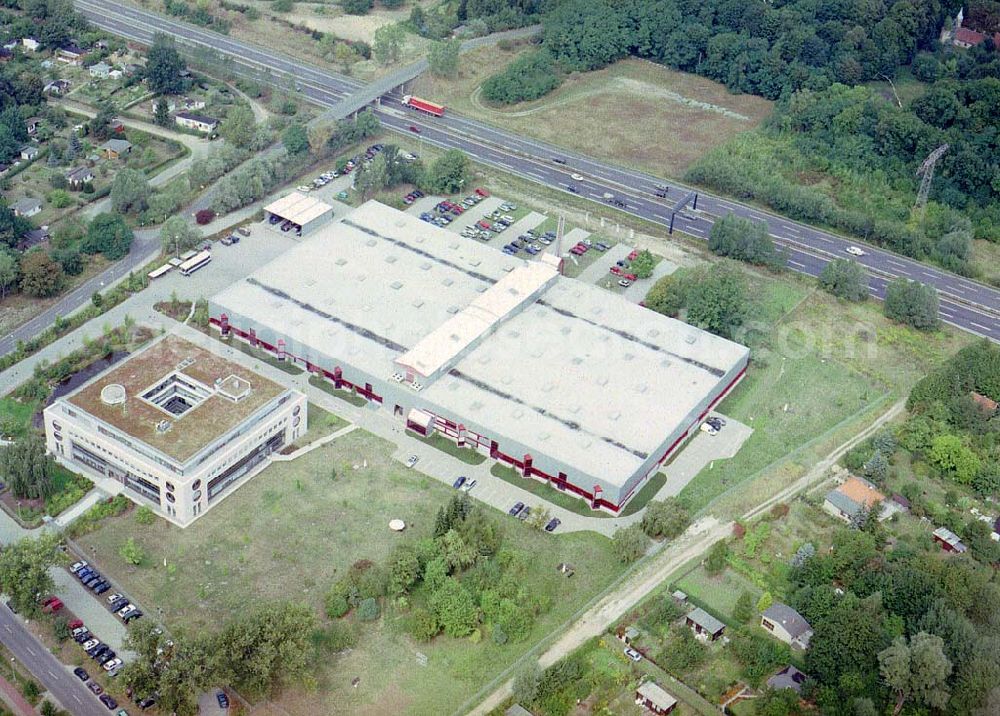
(260, 113)
(698, 538)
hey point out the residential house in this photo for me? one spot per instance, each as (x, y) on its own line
(517, 710)
(788, 678)
(949, 541)
(966, 37)
(31, 238)
(115, 74)
(629, 635)
(987, 405)
(6, 54)
(57, 87)
(197, 122)
(184, 104)
(704, 624)
(855, 495)
(30, 44)
(787, 625)
(29, 152)
(26, 207)
(100, 70)
(115, 148)
(32, 124)
(71, 54)
(79, 176)
(652, 696)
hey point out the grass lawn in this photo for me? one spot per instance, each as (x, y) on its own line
(346, 395)
(718, 593)
(820, 369)
(321, 423)
(295, 528)
(545, 491)
(611, 113)
(16, 415)
(445, 445)
(646, 493)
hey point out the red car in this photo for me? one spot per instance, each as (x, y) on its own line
(52, 604)
(76, 624)
(482, 224)
(583, 247)
(616, 270)
(631, 277)
(414, 128)
(482, 192)
(631, 256)
(576, 250)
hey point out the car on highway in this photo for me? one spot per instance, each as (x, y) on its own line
(558, 160)
(513, 511)
(576, 177)
(855, 251)
(81, 673)
(632, 654)
(459, 482)
(572, 189)
(552, 524)
(411, 460)
(415, 129)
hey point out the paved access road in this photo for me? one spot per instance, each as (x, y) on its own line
(966, 304)
(57, 678)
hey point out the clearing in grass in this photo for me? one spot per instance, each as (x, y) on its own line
(634, 112)
(310, 520)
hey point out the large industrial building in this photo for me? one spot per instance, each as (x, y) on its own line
(562, 380)
(177, 426)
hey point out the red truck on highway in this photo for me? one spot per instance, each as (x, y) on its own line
(423, 105)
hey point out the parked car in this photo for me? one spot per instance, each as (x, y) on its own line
(102, 587)
(304, 187)
(51, 605)
(482, 192)
(624, 283)
(95, 687)
(222, 699)
(108, 701)
(513, 511)
(81, 673)
(244, 230)
(524, 514)
(147, 702)
(469, 484)
(552, 524)
(411, 460)
(90, 644)
(83, 637)
(77, 631)
(132, 616)
(127, 609)
(709, 428)
(459, 482)
(111, 664)
(77, 566)
(118, 603)
(632, 654)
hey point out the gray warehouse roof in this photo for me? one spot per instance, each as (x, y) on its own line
(589, 378)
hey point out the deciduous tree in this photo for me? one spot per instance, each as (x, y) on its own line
(40, 275)
(178, 236)
(129, 191)
(845, 279)
(916, 671)
(163, 66)
(24, 569)
(629, 543)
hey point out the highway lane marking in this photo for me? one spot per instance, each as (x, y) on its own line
(695, 229)
(928, 274)
(896, 264)
(980, 326)
(52, 674)
(793, 262)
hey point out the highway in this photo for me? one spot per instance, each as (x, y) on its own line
(965, 303)
(56, 677)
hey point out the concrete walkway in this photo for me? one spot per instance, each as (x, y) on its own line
(14, 699)
(88, 501)
(316, 444)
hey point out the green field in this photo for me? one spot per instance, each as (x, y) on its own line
(296, 527)
(718, 593)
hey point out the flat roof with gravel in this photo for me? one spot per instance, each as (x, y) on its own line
(178, 397)
(591, 379)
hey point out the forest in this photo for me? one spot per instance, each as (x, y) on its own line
(837, 151)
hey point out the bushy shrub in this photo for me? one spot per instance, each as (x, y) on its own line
(204, 216)
(529, 77)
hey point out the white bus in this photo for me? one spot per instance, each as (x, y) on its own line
(163, 270)
(196, 262)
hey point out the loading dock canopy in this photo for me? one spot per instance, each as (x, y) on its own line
(298, 208)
